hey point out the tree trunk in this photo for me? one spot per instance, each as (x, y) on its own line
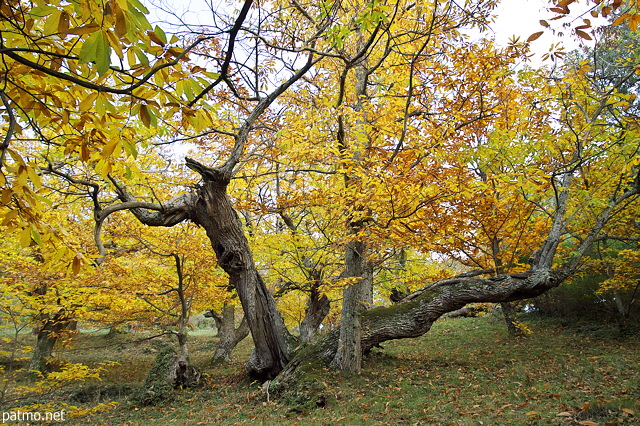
(509, 314)
(317, 309)
(217, 318)
(48, 335)
(414, 316)
(213, 211)
(230, 336)
(211, 208)
(349, 354)
(367, 285)
(170, 370)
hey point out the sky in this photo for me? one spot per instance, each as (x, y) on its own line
(515, 18)
(522, 18)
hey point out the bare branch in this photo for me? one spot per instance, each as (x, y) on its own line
(233, 33)
(243, 132)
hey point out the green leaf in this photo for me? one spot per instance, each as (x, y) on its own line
(52, 22)
(160, 33)
(141, 56)
(136, 4)
(36, 235)
(97, 49)
(131, 150)
(103, 54)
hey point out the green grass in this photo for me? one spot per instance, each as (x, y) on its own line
(464, 372)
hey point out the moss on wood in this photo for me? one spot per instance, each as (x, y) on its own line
(169, 371)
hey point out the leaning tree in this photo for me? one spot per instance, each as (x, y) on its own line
(392, 96)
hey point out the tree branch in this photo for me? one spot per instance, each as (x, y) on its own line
(97, 87)
(233, 33)
(10, 130)
(243, 132)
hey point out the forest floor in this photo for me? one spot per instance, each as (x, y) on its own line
(465, 371)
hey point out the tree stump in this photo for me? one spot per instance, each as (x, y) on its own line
(170, 371)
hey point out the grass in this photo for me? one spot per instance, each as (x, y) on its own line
(463, 372)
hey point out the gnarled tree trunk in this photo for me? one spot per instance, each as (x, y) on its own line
(414, 316)
(229, 335)
(217, 318)
(317, 309)
(211, 208)
(214, 212)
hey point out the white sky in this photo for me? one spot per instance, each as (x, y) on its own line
(515, 17)
(522, 18)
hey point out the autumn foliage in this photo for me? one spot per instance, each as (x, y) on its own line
(340, 155)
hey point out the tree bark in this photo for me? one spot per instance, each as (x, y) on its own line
(317, 309)
(414, 316)
(214, 212)
(217, 318)
(509, 314)
(48, 335)
(367, 285)
(229, 335)
(348, 357)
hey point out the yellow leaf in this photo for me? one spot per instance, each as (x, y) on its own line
(109, 148)
(6, 196)
(620, 19)
(154, 38)
(87, 102)
(34, 177)
(121, 23)
(25, 237)
(63, 23)
(634, 22)
(16, 157)
(84, 152)
(84, 29)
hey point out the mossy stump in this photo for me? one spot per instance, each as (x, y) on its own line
(170, 371)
